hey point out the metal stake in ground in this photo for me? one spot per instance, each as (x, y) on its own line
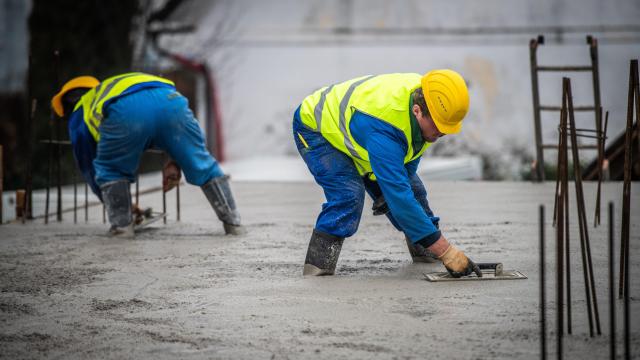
(582, 217)
(560, 252)
(634, 93)
(612, 302)
(543, 319)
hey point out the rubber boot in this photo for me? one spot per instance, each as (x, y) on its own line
(420, 254)
(322, 255)
(117, 201)
(218, 192)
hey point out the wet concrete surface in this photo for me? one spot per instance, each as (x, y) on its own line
(185, 290)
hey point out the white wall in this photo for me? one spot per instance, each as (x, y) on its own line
(268, 55)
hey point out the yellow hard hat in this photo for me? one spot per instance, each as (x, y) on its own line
(447, 98)
(75, 83)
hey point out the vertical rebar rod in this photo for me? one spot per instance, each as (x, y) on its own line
(104, 214)
(543, 319)
(559, 278)
(28, 155)
(58, 125)
(612, 296)
(533, 47)
(86, 202)
(601, 146)
(178, 201)
(75, 197)
(164, 204)
(582, 217)
(28, 141)
(137, 190)
(565, 192)
(49, 170)
(626, 189)
(593, 53)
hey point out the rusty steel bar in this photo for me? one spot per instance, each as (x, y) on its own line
(178, 201)
(75, 197)
(564, 68)
(550, 146)
(565, 192)
(593, 54)
(626, 189)
(559, 276)
(86, 202)
(533, 47)
(543, 317)
(137, 190)
(29, 167)
(612, 296)
(592, 301)
(104, 214)
(558, 108)
(49, 170)
(596, 216)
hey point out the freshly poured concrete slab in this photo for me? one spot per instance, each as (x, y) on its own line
(185, 290)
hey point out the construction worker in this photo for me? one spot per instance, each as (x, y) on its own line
(111, 123)
(368, 134)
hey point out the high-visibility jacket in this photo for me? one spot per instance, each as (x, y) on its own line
(385, 97)
(94, 101)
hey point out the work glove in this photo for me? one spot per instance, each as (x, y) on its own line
(170, 175)
(380, 206)
(139, 214)
(457, 263)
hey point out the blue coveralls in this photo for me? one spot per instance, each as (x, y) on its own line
(344, 187)
(147, 115)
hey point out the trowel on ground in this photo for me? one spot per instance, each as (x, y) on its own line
(490, 271)
(145, 218)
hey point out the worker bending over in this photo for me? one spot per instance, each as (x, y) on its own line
(111, 123)
(368, 134)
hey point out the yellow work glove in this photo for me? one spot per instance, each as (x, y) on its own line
(457, 263)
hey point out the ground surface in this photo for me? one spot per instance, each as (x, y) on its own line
(187, 291)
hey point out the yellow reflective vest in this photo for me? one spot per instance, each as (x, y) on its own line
(386, 97)
(93, 101)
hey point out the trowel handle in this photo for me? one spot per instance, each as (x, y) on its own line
(497, 267)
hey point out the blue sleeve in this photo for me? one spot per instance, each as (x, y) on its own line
(412, 166)
(386, 154)
(84, 150)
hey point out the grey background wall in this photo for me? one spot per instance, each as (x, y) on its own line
(268, 55)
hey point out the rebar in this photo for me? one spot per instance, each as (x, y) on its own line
(29, 169)
(543, 319)
(582, 220)
(601, 147)
(612, 303)
(178, 201)
(634, 93)
(86, 202)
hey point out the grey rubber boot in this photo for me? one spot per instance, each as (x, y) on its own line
(117, 201)
(420, 253)
(218, 192)
(322, 255)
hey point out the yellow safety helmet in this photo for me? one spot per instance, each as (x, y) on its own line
(447, 98)
(75, 83)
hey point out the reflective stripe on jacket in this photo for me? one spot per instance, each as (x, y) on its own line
(384, 97)
(94, 100)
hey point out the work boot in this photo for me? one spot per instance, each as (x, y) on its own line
(420, 254)
(322, 255)
(219, 194)
(117, 201)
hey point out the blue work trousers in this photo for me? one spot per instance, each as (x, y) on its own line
(343, 186)
(152, 118)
